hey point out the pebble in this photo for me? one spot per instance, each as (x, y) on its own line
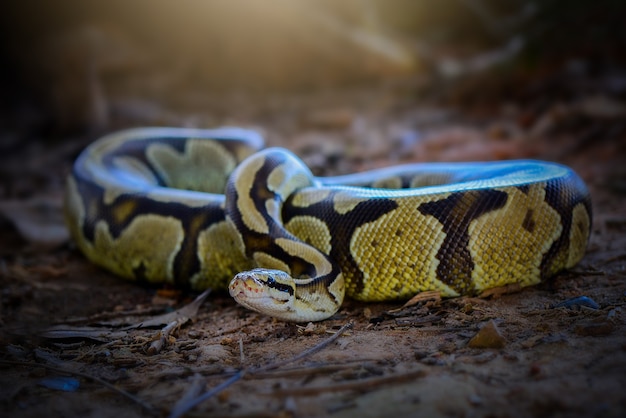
(194, 334)
(489, 336)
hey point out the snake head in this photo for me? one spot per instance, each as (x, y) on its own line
(271, 292)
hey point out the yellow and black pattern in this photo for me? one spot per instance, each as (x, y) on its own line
(124, 215)
(196, 208)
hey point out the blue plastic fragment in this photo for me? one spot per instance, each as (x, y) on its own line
(577, 303)
(66, 384)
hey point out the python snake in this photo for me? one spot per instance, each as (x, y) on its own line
(210, 208)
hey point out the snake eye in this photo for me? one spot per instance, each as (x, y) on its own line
(277, 285)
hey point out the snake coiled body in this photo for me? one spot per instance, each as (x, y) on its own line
(209, 208)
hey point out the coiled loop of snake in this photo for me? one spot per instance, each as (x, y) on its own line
(196, 207)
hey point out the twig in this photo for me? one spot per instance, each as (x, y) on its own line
(157, 345)
(149, 408)
(182, 409)
(363, 384)
(299, 371)
(197, 384)
(242, 356)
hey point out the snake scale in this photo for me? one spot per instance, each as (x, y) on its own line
(212, 208)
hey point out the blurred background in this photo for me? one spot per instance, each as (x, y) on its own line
(72, 66)
(348, 85)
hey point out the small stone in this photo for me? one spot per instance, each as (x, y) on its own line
(488, 337)
(213, 353)
(194, 334)
(433, 361)
(419, 355)
(227, 341)
(614, 314)
(447, 347)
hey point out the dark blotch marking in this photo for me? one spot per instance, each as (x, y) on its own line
(563, 199)
(266, 243)
(343, 227)
(455, 213)
(140, 272)
(193, 220)
(529, 223)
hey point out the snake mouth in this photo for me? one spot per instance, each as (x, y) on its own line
(247, 284)
(246, 289)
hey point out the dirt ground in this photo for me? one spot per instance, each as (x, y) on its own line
(547, 360)
(78, 341)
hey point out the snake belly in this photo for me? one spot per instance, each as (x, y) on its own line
(210, 208)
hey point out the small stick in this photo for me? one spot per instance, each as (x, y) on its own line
(299, 371)
(181, 409)
(355, 385)
(158, 345)
(197, 384)
(242, 356)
